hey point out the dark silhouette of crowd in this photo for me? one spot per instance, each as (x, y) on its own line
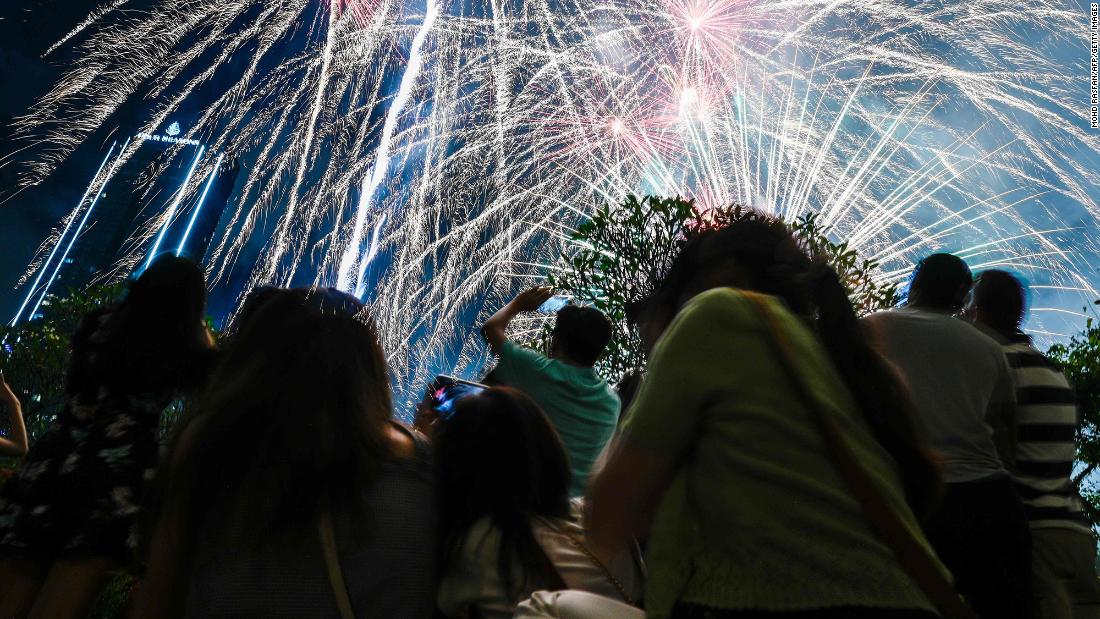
(779, 457)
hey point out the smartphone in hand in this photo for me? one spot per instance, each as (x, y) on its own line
(554, 303)
(445, 391)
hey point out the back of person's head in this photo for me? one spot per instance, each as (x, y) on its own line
(174, 287)
(581, 334)
(499, 457)
(999, 300)
(293, 420)
(154, 341)
(940, 282)
(253, 301)
(754, 252)
(757, 252)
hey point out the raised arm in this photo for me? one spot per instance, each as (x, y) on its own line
(494, 330)
(16, 444)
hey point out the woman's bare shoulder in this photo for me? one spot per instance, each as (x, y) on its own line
(401, 441)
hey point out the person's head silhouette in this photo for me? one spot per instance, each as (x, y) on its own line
(998, 301)
(940, 283)
(580, 335)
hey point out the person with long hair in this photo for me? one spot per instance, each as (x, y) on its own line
(291, 491)
(70, 513)
(508, 527)
(763, 431)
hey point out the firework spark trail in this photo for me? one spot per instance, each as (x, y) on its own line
(352, 255)
(281, 234)
(910, 128)
(92, 18)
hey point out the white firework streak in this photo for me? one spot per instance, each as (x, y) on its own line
(378, 173)
(289, 216)
(471, 136)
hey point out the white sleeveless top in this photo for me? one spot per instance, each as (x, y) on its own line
(472, 579)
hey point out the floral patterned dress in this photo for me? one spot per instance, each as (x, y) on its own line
(81, 488)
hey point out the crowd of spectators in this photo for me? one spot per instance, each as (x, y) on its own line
(779, 457)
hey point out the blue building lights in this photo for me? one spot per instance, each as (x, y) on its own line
(198, 207)
(171, 214)
(61, 239)
(100, 236)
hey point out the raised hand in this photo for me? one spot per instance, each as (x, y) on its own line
(530, 300)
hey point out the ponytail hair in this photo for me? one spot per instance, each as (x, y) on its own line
(875, 386)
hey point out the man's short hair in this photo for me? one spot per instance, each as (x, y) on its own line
(941, 281)
(582, 333)
(1001, 298)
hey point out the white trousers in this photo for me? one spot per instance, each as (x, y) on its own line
(573, 604)
(1063, 564)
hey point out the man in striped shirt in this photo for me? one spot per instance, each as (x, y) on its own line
(1063, 545)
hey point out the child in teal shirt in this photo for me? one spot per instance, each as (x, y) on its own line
(582, 406)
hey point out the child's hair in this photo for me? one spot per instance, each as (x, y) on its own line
(499, 457)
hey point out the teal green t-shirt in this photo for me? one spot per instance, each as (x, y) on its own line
(580, 404)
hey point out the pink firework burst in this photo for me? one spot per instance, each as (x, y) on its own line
(362, 11)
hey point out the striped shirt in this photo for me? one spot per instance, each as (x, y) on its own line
(1045, 450)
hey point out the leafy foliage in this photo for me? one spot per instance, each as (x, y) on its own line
(620, 255)
(1079, 359)
(855, 272)
(36, 353)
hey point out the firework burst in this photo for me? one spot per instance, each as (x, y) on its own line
(434, 156)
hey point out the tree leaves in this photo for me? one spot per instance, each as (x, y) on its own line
(1079, 359)
(620, 254)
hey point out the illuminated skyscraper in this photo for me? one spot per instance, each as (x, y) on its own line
(121, 198)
